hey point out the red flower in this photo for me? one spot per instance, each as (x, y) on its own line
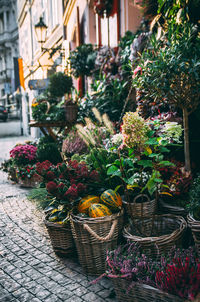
(51, 187)
(72, 192)
(94, 175)
(81, 187)
(28, 170)
(50, 175)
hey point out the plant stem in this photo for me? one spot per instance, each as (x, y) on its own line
(186, 140)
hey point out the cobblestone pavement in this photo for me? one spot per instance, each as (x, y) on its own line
(29, 269)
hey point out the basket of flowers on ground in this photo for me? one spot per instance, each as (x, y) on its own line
(67, 183)
(194, 211)
(23, 158)
(97, 228)
(156, 234)
(136, 277)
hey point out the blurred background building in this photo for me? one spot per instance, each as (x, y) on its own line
(8, 51)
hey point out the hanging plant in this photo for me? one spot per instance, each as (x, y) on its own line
(102, 7)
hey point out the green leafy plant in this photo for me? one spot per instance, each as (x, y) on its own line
(82, 60)
(47, 149)
(59, 85)
(170, 75)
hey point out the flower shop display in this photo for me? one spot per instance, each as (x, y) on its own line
(194, 211)
(136, 277)
(156, 234)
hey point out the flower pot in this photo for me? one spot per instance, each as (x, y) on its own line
(12, 174)
(195, 228)
(142, 209)
(71, 112)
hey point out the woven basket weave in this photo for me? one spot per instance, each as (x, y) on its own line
(157, 234)
(146, 208)
(136, 292)
(61, 237)
(195, 227)
(172, 209)
(93, 236)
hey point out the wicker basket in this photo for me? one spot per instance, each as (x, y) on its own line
(135, 209)
(136, 292)
(93, 236)
(195, 227)
(27, 183)
(157, 234)
(171, 209)
(61, 237)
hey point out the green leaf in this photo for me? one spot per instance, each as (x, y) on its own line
(145, 163)
(166, 163)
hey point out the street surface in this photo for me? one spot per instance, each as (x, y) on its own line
(10, 128)
(29, 269)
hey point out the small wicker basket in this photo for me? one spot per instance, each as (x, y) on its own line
(61, 237)
(126, 291)
(93, 236)
(157, 234)
(195, 228)
(146, 208)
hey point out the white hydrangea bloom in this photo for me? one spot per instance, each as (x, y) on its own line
(172, 131)
(117, 139)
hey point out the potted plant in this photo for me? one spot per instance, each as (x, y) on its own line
(138, 165)
(59, 85)
(82, 60)
(194, 211)
(136, 277)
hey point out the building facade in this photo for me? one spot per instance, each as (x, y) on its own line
(8, 49)
(39, 61)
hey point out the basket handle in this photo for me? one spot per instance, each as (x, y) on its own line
(109, 236)
(141, 195)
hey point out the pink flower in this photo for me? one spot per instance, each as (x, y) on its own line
(136, 70)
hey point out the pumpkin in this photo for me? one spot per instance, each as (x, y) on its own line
(99, 210)
(86, 202)
(111, 199)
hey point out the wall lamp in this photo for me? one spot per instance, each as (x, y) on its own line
(41, 33)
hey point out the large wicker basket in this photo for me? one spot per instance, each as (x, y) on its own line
(136, 292)
(93, 237)
(157, 234)
(61, 237)
(195, 227)
(172, 209)
(146, 208)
